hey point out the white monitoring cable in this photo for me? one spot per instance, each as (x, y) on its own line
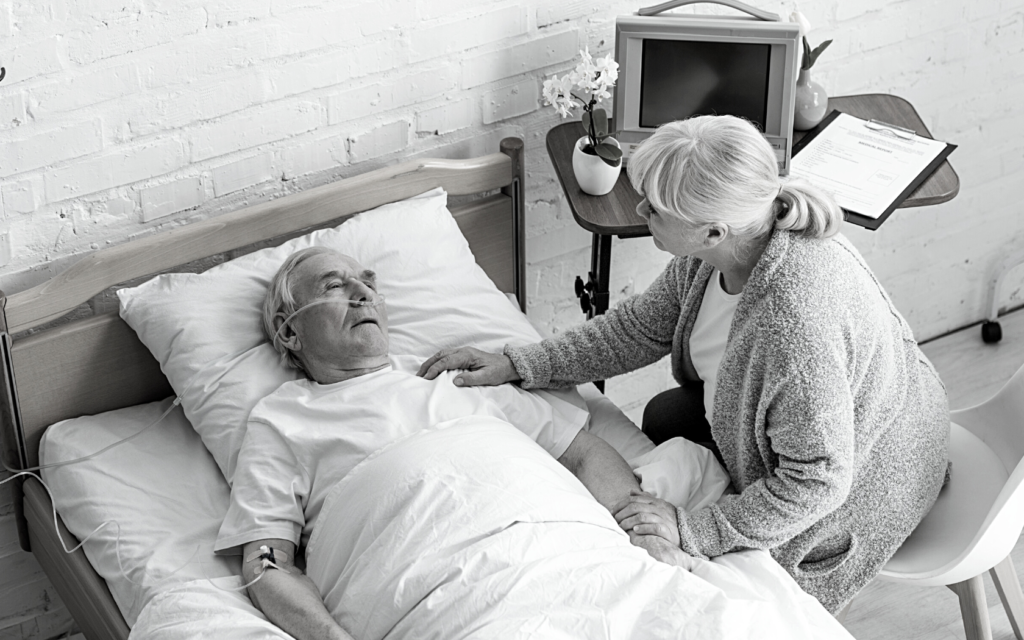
(117, 539)
(377, 301)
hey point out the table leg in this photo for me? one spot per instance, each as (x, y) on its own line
(600, 266)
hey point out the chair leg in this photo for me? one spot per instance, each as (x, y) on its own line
(1005, 578)
(973, 608)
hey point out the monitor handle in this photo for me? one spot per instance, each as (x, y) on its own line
(735, 4)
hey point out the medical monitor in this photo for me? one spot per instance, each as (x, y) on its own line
(672, 67)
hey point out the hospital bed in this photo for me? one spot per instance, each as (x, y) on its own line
(152, 574)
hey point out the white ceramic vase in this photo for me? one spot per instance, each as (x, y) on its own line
(811, 102)
(594, 175)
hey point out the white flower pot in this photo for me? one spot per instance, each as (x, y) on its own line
(594, 175)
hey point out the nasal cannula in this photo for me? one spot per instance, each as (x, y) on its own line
(377, 301)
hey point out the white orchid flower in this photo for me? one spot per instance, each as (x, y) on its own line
(550, 90)
(557, 92)
(590, 76)
(586, 72)
(801, 21)
(608, 73)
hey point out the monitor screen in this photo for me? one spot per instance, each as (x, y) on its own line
(682, 78)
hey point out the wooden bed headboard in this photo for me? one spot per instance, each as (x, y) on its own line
(98, 364)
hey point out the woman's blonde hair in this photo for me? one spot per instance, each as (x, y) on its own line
(721, 169)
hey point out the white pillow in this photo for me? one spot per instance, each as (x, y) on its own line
(162, 489)
(205, 329)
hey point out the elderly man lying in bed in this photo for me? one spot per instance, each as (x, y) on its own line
(310, 434)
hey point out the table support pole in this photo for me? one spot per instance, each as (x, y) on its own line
(600, 268)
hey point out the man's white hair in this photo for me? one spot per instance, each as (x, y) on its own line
(721, 169)
(279, 302)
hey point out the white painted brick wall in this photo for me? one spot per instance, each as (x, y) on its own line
(120, 116)
(12, 110)
(49, 147)
(508, 102)
(20, 197)
(521, 58)
(121, 166)
(251, 128)
(448, 117)
(240, 174)
(465, 33)
(381, 141)
(314, 156)
(163, 200)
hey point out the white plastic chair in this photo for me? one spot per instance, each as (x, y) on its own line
(978, 517)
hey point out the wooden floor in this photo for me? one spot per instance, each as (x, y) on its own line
(972, 371)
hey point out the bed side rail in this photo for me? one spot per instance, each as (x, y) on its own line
(335, 201)
(85, 594)
(12, 446)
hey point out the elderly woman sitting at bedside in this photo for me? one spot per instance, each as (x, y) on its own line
(794, 366)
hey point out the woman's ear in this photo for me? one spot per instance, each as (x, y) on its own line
(714, 234)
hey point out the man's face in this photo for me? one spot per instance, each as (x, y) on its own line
(338, 335)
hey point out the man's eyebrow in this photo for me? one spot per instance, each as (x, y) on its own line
(329, 275)
(365, 274)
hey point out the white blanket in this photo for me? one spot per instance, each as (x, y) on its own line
(473, 531)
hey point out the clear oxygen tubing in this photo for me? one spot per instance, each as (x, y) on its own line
(377, 301)
(64, 463)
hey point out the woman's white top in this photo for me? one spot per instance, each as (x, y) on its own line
(709, 335)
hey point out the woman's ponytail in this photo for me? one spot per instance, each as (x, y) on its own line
(709, 169)
(807, 210)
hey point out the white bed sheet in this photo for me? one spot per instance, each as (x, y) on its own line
(169, 497)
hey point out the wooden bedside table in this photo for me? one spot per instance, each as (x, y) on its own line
(615, 214)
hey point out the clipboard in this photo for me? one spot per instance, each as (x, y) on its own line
(895, 132)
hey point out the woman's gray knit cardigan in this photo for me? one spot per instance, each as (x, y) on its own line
(831, 422)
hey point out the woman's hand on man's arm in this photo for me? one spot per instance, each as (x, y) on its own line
(287, 596)
(481, 368)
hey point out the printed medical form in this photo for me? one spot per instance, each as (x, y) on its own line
(865, 165)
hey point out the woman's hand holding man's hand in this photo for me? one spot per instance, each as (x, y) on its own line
(652, 524)
(643, 514)
(481, 368)
(663, 551)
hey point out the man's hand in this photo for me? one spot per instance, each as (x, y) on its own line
(663, 551)
(482, 368)
(644, 515)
